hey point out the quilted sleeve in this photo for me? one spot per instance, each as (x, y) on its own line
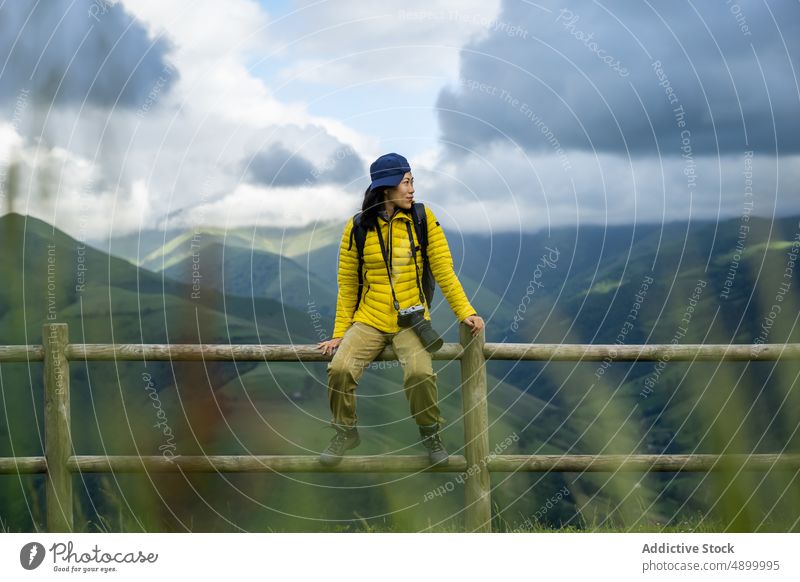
(347, 278)
(441, 262)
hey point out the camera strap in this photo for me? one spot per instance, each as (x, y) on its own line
(416, 266)
(384, 254)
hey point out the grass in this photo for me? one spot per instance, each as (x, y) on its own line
(689, 524)
(697, 523)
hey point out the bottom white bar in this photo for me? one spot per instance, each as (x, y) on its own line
(388, 557)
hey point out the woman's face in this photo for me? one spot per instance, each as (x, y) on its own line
(402, 195)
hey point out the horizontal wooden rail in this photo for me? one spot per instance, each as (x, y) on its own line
(645, 352)
(260, 464)
(641, 463)
(22, 353)
(407, 463)
(450, 351)
(224, 352)
(23, 465)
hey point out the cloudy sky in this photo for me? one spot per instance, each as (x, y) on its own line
(140, 114)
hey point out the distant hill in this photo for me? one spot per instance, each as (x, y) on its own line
(260, 262)
(85, 279)
(238, 271)
(158, 249)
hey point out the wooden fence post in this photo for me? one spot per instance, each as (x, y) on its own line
(57, 434)
(477, 491)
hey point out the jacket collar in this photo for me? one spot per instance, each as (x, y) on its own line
(399, 214)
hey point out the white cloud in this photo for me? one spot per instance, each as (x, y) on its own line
(67, 190)
(286, 207)
(345, 42)
(505, 188)
(212, 42)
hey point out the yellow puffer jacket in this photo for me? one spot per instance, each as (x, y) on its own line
(376, 308)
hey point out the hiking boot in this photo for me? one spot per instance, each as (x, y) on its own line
(344, 439)
(437, 454)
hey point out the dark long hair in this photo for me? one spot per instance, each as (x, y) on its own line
(373, 203)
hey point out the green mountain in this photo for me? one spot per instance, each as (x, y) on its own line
(261, 262)
(160, 249)
(238, 271)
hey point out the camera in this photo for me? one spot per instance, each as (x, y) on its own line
(414, 317)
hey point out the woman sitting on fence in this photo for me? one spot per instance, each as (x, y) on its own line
(393, 235)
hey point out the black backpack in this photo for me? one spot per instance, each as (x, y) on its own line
(420, 220)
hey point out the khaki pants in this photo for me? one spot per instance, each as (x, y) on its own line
(360, 345)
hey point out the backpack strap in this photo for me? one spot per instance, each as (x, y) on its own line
(420, 219)
(359, 233)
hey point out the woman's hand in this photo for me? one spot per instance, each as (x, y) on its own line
(476, 323)
(330, 345)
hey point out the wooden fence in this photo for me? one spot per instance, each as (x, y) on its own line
(60, 461)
